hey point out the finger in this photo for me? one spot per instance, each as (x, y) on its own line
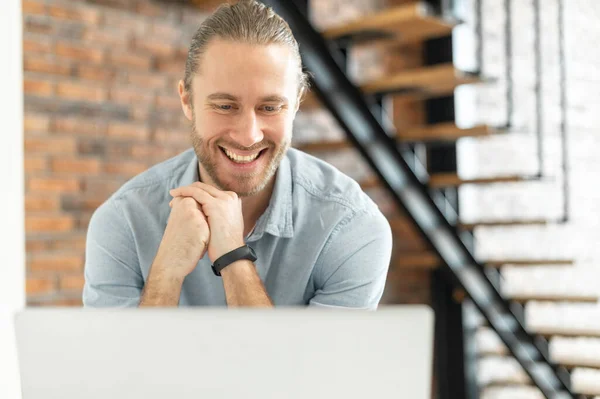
(179, 190)
(215, 192)
(201, 196)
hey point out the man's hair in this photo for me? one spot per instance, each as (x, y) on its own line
(247, 21)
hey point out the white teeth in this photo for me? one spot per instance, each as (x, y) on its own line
(240, 159)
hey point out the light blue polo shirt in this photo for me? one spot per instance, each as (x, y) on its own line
(322, 241)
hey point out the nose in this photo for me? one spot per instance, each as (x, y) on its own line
(249, 131)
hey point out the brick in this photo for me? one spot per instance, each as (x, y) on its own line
(38, 87)
(39, 203)
(129, 60)
(151, 9)
(55, 262)
(72, 282)
(36, 245)
(83, 220)
(57, 185)
(50, 145)
(35, 164)
(80, 53)
(73, 243)
(102, 188)
(35, 122)
(166, 30)
(128, 131)
(149, 151)
(140, 113)
(80, 203)
(148, 81)
(131, 95)
(155, 46)
(46, 224)
(168, 101)
(95, 73)
(40, 285)
(81, 91)
(36, 44)
(33, 7)
(62, 302)
(76, 166)
(35, 24)
(74, 13)
(126, 168)
(175, 66)
(36, 63)
(172, 136)
(79, 126)
(118, 150)
(92, 147)
(107, 38)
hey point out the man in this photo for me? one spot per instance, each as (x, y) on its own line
(242, 219)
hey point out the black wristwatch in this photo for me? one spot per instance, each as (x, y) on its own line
(245, 252)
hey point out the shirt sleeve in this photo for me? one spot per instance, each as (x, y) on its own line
(353, 265)
(112, 274)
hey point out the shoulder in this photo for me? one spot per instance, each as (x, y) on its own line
(159, 176)
(322, 182)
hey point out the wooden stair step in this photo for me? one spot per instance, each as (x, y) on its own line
(417, 260)
(586, 380)
(511, 392)
(563, 318)
(489, 343)
(370, 182)
(427, 81)
(493, 370)
(524, 298)
(441, 180)
(322, 146)
(574, 352)
(437, 132)
(410, 22)
(502, 223)
(447, 131)
(497, 263)
(549, 283)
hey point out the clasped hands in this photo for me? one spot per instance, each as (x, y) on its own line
(203, 218)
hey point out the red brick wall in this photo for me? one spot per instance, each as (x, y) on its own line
(101, 105)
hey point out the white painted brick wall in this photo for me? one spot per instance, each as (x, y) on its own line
(515, 153)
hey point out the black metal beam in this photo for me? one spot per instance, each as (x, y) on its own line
(449, 342)
(347, 104)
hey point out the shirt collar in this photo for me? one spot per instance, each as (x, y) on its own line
(277, 218)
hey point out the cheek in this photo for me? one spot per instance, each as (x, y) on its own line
(211, 124)
(279, 128)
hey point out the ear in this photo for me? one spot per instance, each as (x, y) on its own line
(185, 98)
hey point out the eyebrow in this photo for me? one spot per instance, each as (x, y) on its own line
(230, 97)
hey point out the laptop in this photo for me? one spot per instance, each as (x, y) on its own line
(287, 353)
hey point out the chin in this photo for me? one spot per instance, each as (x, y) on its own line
(246, 188)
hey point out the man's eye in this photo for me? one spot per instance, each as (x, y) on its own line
(225, 107)
(271, 108)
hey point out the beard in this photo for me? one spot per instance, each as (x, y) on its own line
(243, 184)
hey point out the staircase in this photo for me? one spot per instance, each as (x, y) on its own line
(426, 220)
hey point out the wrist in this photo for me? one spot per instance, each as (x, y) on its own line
(239, 267)
(165, 274)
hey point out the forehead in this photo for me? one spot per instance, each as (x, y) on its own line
(246, 69)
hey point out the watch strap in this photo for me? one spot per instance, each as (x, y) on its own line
(243, 252)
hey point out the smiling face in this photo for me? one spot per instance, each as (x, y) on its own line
(244, 101)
